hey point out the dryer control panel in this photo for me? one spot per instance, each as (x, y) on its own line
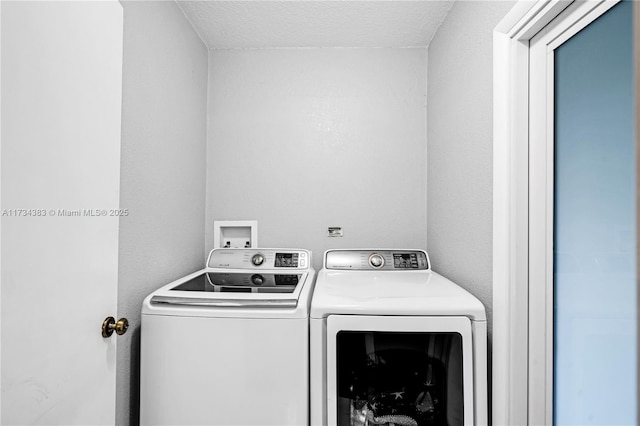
(360, 260)
(289, 259)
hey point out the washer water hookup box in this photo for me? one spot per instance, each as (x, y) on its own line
(235, 233)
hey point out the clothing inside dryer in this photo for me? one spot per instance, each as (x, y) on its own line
(399, 378)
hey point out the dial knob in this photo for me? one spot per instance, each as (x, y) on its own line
(376, 261)
(257, 279)
(257, 259)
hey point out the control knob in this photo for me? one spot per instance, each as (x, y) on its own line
(257, 259)
(257, 279)
(376, 261)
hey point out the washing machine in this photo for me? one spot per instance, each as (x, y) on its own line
(394, 343)
(229, 344)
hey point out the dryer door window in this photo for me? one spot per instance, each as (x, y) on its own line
(399, 371)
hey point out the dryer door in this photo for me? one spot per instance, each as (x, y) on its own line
(399, 370)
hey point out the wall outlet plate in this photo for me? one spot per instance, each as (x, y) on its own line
(334, 231)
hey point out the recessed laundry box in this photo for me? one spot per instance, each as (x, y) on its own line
(393, 342)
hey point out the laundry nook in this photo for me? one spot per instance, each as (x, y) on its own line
(319, 212)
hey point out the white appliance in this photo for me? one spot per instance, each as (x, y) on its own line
(394, 343)
(229, 344)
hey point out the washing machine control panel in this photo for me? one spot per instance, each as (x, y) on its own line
(360, 260)
(289, 259)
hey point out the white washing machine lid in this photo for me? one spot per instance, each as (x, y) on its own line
(391, 292)
(211, 287)
(232, 285)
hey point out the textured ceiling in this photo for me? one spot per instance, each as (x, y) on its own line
(307, 23)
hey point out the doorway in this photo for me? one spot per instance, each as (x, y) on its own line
(564, 215)
(582, 233)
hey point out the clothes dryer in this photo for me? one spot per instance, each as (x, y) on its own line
(394, 343)
(229, 344)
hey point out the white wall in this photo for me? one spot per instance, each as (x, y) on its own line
(162, 169)
(303, 139)
(460, 141)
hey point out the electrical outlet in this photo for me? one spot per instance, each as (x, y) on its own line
(334, 231)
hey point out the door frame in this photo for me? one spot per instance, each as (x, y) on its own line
(521, 322)
(541, 200)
